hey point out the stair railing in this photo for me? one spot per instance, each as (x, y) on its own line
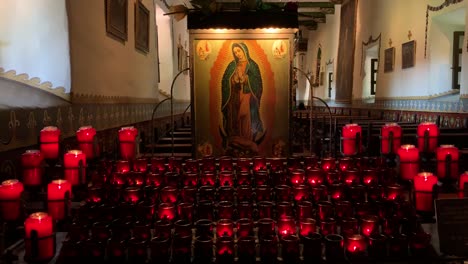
(172, 108)
(311, 98)
(152, 124)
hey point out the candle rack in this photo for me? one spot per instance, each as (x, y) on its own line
(426, 200)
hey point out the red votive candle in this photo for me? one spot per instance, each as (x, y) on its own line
(85, 137)
(283, 192)
(325, 210)
(190, 179)
(284, 209)
(259, 163)
(169, 194)
(73, 160)
(226, 164)
(244, 178)
(191, 166)
(314, 177)
(328, 227)
(286, 226)
(266, 227)
(447, 162)
(290, 249)
(394, 192)
(122, 166)
(10, 199)
(370, 177)
(352, 133)
(175, 164)
(345, 163)
(225, 210)
(297, 177)
(226, 178)
(261, 178)
(390, 138)
(225, 249)
(225, 227)
(208, 178)
(59, 193)
(243, 164)
(31, 161)
(166, 211)
(208, 163)
(328, 164)
(423, 188)
(158, 164)
(333, 177)
(461, 184)
(349, 226)
(319, 193)
(265, 209)
(140, 165)
(276, 164)
(263, 193)
(307, 226)
(225, 193)
(244, 227)
(132, 195)
(428, 133)
(39, 237)
(49, 142)
(336, 191)
(409, 162)
(185, 211)
(304, 210)
(369, 225)
(355, 245)
(301, 193)
(351, 177)
(127, 137)
(310, 162)
(343, 209)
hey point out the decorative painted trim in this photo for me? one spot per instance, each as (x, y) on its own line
(463, 96)
(369, 41)
(446, 3)
(34, 82)
(78, 98)
(427, 97)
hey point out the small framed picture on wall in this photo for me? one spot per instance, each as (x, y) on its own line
(408, 51)
(389, 58)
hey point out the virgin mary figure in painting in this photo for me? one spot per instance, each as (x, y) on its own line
(242, 128)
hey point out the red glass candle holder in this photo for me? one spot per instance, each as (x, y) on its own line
(276, 164)
(204, 227)
(351, 139)
(10, 199)
(226, 164)
(132, 195)
(375, 193)
(390, 138)
(423, 191)
(122, 166)
(162, 228)
(328, 164)
(246, 249)
(370, 177)
(208, 178)
(314, 177)
(297, 177)
(243, 164)
(391, 226)
(86, 141)
(185, 211)
(369, 225)
(283, 193)
(290, 249)
(140, 165)
(191, 166)
(207, 192)
(225, 227)
(409, 162)
(188, 194)
(343, 209)
(351, 177)
(190, 179)
(279, 178)
(182, 228)
(244, 227)
(266, 227)
(304, 209)
(398, 246)
(319, 193)
(127, 142)
(293, 163)
(447, 162)
(463, 185)
(208, 163)
(284, 209)
(225, 193)
(100, 231)
(428, 134)
(310, 162)
(154, 179)
(300, 193)
(357, 193)
(175, 164)
(377, 247)
(146, 210)
(205, 209)
(261, 178)
(141, 231)
(268, 249)
(225, 249)
(328, 226)
(226, 178)
(334, 248)
(286, 226)
(337, 192)
(244, 178)
(356, 246)
(349, 226)
(169, 194)
(419, 244)
(307, 226)
(74, 163)
(33, 170)
(59, 193)
(137, 251)
(158, 164)
(394, 192)
(225, 210)
(166, 211)
(172, 179)
(265, 209)
(39, 238)
(245, 210)
(116, 250)
(325, 210)
(345, 163)
(181, 249)
(259, 164)
(49, 142)
(121, 228)
(263, 193)
(333, 177)
(312, 248)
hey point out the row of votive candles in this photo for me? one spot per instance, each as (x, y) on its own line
(427, 133)
(49, 140)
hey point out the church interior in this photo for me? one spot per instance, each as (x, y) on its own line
(250, 131)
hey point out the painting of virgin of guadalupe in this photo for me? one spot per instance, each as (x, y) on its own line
(242, 89)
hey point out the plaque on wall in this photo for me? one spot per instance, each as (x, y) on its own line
(452, 225)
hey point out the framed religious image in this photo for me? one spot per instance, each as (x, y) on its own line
(408, 50)
(389, 58)
(116, 18)
(142, 18)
